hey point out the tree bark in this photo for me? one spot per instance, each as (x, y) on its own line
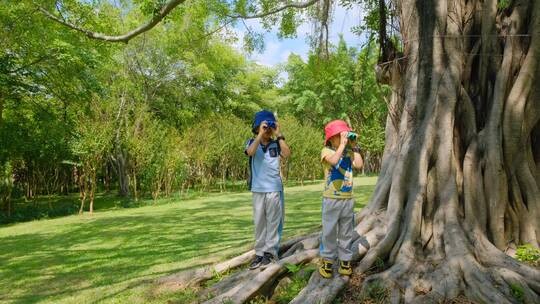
(92, 188)
(1, 109)
(80, 177)
(119, 159)
(120, 167)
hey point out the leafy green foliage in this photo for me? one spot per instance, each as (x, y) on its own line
(299, 278)
(215, 150)
(306, 143)
(6, 182)
(342, 87)
(529, 254)
(32, 212)
(93, 136)
(517, 292)
(503, 4)
(293, 268)
(375, 292)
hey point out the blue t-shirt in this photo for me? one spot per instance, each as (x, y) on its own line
(264, 166)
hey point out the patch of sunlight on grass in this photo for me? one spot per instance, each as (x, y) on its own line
(108, 256)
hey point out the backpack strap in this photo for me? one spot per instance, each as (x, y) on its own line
(278, 147)
(250, 164)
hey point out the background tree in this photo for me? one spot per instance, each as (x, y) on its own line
(90, 146)
(341, 85)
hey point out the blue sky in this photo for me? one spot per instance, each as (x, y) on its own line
(277, 51)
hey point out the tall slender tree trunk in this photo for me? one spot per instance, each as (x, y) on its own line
(8, 207)
(1, 108)
(82, 191)
(134, 182)
(107, 177)
(92, 188)
(119, 159)
(119, 162)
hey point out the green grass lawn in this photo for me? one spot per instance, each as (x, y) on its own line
(107, 256)
(53, 206)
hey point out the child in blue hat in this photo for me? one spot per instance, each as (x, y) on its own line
(265, 151)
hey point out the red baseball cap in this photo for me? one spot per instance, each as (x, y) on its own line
(335, 127)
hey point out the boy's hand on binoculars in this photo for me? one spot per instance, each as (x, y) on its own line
(263, 127)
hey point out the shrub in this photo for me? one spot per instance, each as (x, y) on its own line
(214, 149)
(306, 143)
(528, 254)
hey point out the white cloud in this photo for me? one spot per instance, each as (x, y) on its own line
(253, 24)
(285, 55)
(271, 54)
(343, 21)
(277, 51)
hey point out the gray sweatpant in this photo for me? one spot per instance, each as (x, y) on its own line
(268, 215)
(337, 228)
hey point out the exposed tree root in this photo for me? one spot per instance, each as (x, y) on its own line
(320, 290)
(193, 277)
(237, 279)
(243, 292)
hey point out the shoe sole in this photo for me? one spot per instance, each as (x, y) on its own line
(255, 267)
(325, 276)
(266, 266)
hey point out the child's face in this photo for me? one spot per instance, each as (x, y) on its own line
(267, 133)
(334, 141)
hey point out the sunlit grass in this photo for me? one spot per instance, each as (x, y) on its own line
(106, 257)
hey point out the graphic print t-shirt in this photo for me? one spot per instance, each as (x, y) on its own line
(338, 178)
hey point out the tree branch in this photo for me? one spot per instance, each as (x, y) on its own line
(164, 11)
(277, 10)
(36, 61)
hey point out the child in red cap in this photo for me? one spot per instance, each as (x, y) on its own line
(339, 156)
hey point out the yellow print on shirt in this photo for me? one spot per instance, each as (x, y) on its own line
(339, 181)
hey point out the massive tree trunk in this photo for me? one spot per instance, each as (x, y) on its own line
(459, 185)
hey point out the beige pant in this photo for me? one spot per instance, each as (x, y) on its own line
(337, 228)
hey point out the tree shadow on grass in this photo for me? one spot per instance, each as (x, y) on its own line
(112, 249)
(123, 250)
